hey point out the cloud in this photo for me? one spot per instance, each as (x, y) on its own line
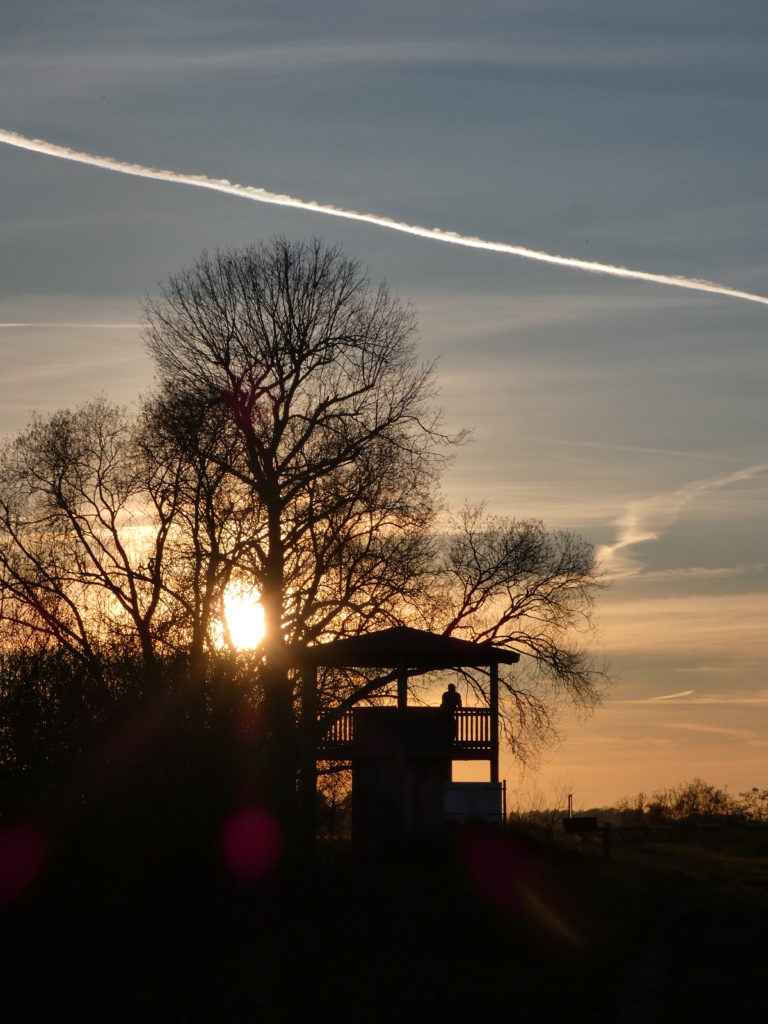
(701, 572)
(758, 698)
(331, 45)
(648, 519)
(638, 449)
(699, 669)
(714, 730)
(259, 57)
(261, 195)
(726, 629)
(660, 699)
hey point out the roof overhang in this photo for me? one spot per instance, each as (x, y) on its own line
(402, 647)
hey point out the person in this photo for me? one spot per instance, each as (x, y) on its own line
(451, 699)
(450, 704)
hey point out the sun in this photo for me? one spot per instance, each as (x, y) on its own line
(244, 616)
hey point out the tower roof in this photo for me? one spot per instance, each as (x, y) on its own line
(403, 647)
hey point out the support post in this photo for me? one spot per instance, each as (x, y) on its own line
(402, 687)
(309, 746)
(402, 775)
(494, 706)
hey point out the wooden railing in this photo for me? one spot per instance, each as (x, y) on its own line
(420, 732)
(473, 728)
(339, 733)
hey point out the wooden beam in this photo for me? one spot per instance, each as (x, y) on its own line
(494, 704)
(309, 751)
(402, 687)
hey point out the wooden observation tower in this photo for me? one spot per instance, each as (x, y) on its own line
(402, 757)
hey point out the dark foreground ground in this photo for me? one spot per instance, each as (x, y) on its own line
(478, 924)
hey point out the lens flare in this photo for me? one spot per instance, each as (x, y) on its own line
(251, 844)
(23, 852)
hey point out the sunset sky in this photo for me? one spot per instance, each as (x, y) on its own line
(635, 413)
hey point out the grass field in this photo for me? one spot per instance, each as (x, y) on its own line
(478, 923)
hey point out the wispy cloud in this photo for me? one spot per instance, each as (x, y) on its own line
(648, 519)
(714, 730)
(694, 572)
(261, 195)
(609, 446)
(527, 49)
(259, 57)
(691, 698)
(659, 698)
(759, 698)
(724, 629)
(703, 670)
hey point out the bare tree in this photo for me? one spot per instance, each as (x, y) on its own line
(215, 522)
(313, 374)
(518, 585)
(85, 527)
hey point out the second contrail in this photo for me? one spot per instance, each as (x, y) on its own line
(260, 195)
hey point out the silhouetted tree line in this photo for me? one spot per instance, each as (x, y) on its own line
(291, 447)
(694, 803)
(72, 738)
(689, 803)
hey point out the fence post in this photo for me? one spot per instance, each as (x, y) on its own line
(309, 743)
(494, 703)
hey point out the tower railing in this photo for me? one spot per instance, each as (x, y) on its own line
(464, 734)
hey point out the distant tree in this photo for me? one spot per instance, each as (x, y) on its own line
(690, 803)
(754, 804)
(532, 810)
(697, 802)
(632, 810)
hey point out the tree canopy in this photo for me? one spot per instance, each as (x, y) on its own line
(291, 447)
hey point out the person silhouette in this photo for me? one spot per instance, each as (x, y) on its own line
(451, 699)
(450, 704)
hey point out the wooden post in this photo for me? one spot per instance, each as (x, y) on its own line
(402, 774)
(494, 705)
(402, 687)
(309, 743)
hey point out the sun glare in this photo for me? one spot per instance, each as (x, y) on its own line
(244, 617)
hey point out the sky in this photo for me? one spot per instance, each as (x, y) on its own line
(632, 412)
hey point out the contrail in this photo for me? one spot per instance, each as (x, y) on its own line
(260, 195)
(69, 325)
